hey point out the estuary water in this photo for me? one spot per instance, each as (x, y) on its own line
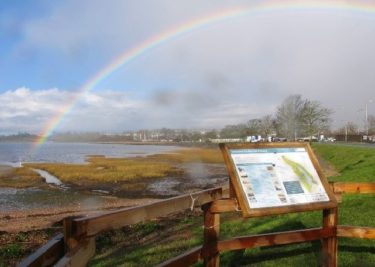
(14, 154)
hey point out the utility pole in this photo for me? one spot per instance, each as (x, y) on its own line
(366, 121)
(366, 114)
(346, 132)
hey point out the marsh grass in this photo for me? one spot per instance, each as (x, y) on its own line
(20, 178)
(203, 155)
(100, 169)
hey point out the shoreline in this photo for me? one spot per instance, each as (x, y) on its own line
(156, 176)
(45, 218)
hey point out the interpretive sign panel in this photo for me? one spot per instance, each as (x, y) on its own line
(276, 176)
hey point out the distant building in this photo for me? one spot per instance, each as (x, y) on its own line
(225, 140)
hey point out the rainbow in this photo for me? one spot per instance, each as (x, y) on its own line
(207, 20)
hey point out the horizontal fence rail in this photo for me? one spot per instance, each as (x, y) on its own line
(90, 226)
(272, 239)
(65, 249)
(355, 231)
(353, 188)
(77, 245)
(46, 255)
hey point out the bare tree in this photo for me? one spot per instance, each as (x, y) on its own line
(350, 128)
(267, 125)
(253, 127)
(234, 131)
(288, 116)
(301, 117)
(314, 118)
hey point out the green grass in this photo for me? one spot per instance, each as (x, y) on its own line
(148, 244)
(354, 164)
(154, 242)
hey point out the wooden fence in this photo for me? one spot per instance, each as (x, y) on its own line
(77, 244)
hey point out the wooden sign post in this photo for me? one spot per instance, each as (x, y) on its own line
(268, 179)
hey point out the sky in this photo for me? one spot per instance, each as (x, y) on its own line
(224, 73)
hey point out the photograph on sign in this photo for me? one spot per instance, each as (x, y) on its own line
(276, 177)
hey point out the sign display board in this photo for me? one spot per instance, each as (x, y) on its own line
(277, 177)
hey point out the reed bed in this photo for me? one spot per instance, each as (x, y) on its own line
(203, 155)
(19, 178)
(101, 169)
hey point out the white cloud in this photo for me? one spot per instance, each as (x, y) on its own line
(31, 110)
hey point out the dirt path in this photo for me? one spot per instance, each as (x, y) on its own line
(327, 168)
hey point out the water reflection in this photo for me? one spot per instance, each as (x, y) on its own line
(16, 153)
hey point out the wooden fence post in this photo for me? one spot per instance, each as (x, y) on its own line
(210, 252)
(78, 249)
(70, 241)
(329, 245)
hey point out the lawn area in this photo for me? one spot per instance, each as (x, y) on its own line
(354, 164)
(153, 242)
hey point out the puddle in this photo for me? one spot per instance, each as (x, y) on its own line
(50, 179)
(164, 187)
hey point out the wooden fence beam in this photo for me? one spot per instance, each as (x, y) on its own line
(47, 255)
(186, 259)
(271, 239)
(79, 256)
(359, 188)
(224, 205)
(356, 232)
(92, 225)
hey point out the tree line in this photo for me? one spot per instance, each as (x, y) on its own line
(295, 117)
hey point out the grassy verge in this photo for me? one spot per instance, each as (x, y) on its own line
(153, 242)
(354, 164)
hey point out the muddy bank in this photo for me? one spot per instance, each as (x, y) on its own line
(194, 177)
(46, 218)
